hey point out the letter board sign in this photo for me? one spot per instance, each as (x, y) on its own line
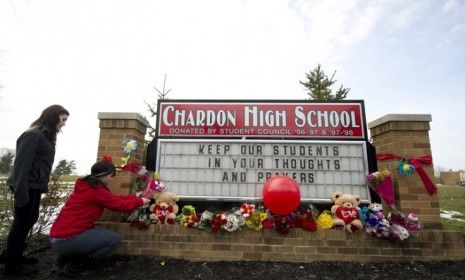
(226, 150)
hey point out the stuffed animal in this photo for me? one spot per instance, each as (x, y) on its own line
(412, 224)
(346, 212)
(164, 209)
(376, 224)
(376, 209)
(374, 214)
(398, 222)
(396, 217)
(398, 232)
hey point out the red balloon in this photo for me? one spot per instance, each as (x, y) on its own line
(281, 195)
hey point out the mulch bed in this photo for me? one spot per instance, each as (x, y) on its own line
(148, 267)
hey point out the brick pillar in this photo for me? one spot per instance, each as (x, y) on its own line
(114, 128)
(407, 136)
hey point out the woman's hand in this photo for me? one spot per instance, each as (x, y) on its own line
(146, 201)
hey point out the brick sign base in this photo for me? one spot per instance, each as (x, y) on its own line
(298, 246)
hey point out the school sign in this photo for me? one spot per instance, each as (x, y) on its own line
(226, 150)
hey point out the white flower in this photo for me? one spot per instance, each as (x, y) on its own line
(240, 220)
(231, 223)
(129, 146)
(206, 215)
(142, 171)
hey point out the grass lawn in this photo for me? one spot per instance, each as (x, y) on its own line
(69, 178)
(452, 198)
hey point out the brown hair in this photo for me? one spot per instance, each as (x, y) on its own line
(50, 117)
(98, 170)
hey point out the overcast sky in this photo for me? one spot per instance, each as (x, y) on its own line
(106, 56)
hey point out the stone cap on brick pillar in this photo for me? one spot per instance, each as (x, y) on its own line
(400, 122)
(400, 118)
(107, 119)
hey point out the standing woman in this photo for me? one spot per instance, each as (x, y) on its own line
(35, 153)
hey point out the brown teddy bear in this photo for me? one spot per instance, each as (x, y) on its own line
(345, 211)
(164, 209)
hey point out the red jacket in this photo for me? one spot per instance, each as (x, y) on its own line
(85, 205)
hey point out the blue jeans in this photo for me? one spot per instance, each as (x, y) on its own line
(96, 242)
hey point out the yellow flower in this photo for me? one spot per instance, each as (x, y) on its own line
(253, 222)
(325, 220)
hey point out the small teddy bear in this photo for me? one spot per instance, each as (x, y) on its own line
(376, 223)
(398, 232)
(346, 212)
(412, 223)
(374, 214)
(164, 209)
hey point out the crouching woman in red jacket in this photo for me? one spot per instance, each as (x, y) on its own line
(74, 235)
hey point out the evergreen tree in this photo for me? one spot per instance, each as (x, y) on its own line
(6, 161)
(319, 86)
(65, 167)
(152, 108)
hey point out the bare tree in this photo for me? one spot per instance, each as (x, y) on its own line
(50, 206)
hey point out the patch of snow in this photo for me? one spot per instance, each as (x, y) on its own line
(450, 215)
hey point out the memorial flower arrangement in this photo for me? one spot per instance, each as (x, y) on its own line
(218, 220)
(189, 217)
(381, 182)
(146, 182)
(376, 178)
(247, 209)
(205, 220)
(259, 218)
(282, 224)
(255, 220)
(395, 226)
(144, 185)
(325, 220)
(309, 215)
(233, 222)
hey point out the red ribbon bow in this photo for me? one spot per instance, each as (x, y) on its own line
(417, 163)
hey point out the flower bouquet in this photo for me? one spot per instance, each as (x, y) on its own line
(381, 182)
(255, 220)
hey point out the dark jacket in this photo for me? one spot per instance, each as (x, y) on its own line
(151, 155)
(35, 152)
